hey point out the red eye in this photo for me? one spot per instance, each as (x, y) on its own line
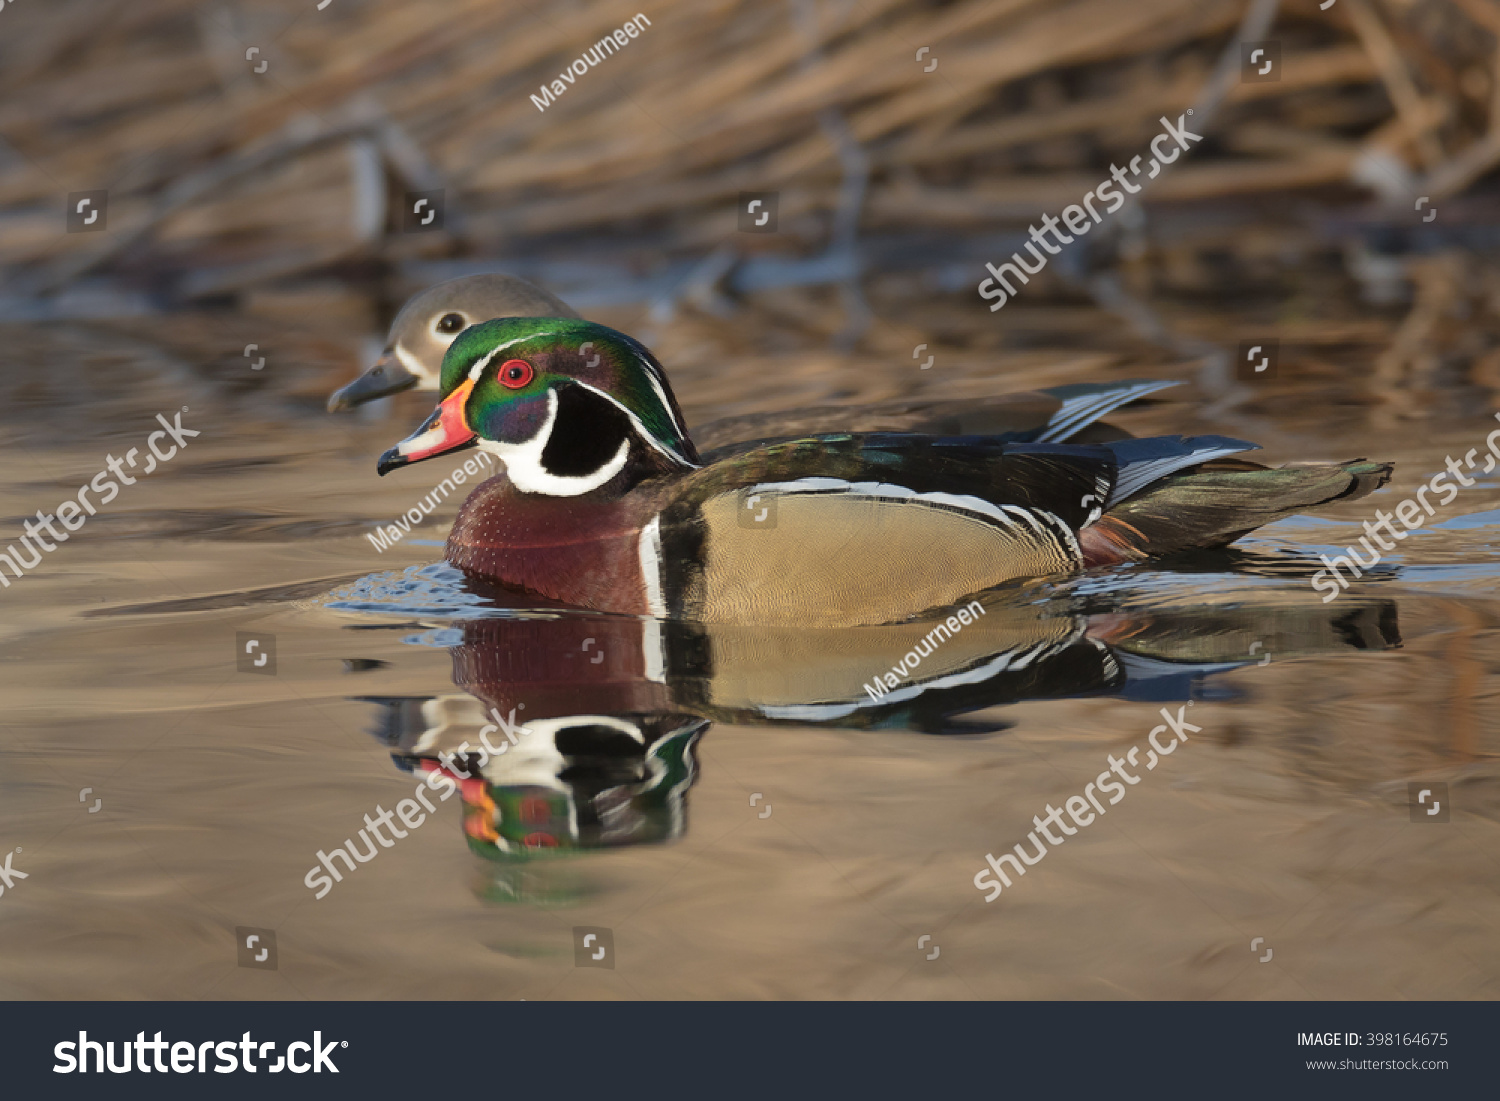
(516, 373)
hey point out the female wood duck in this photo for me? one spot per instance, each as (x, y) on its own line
(605, 503)
(427, 324)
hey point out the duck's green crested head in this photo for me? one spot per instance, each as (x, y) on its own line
(564, 402)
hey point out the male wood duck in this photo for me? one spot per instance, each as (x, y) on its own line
(605, 503)
(427, 324)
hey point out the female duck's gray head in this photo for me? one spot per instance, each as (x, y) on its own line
(425, 327)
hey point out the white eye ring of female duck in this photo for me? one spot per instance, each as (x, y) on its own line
(450, 324)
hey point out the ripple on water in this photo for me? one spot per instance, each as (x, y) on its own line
(434, 591)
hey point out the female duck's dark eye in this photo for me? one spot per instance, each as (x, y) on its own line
(452, 323)
(515, 373)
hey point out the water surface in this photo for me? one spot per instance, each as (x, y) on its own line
(730, 803)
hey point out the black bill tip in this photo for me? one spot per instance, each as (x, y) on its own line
(390, 461)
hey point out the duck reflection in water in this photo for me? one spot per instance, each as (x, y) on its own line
(580, 732)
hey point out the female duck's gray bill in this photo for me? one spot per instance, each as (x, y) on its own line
(385, 378)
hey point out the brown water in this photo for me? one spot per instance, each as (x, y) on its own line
(733, 809)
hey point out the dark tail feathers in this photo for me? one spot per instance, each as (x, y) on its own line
(1214, 507)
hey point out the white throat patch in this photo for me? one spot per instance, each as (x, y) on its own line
(427, 379)
(523, 462)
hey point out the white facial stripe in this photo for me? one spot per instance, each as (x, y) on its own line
(485, 361)
(661, 393)
(640, 429)
(426, 378)
(523, 462)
